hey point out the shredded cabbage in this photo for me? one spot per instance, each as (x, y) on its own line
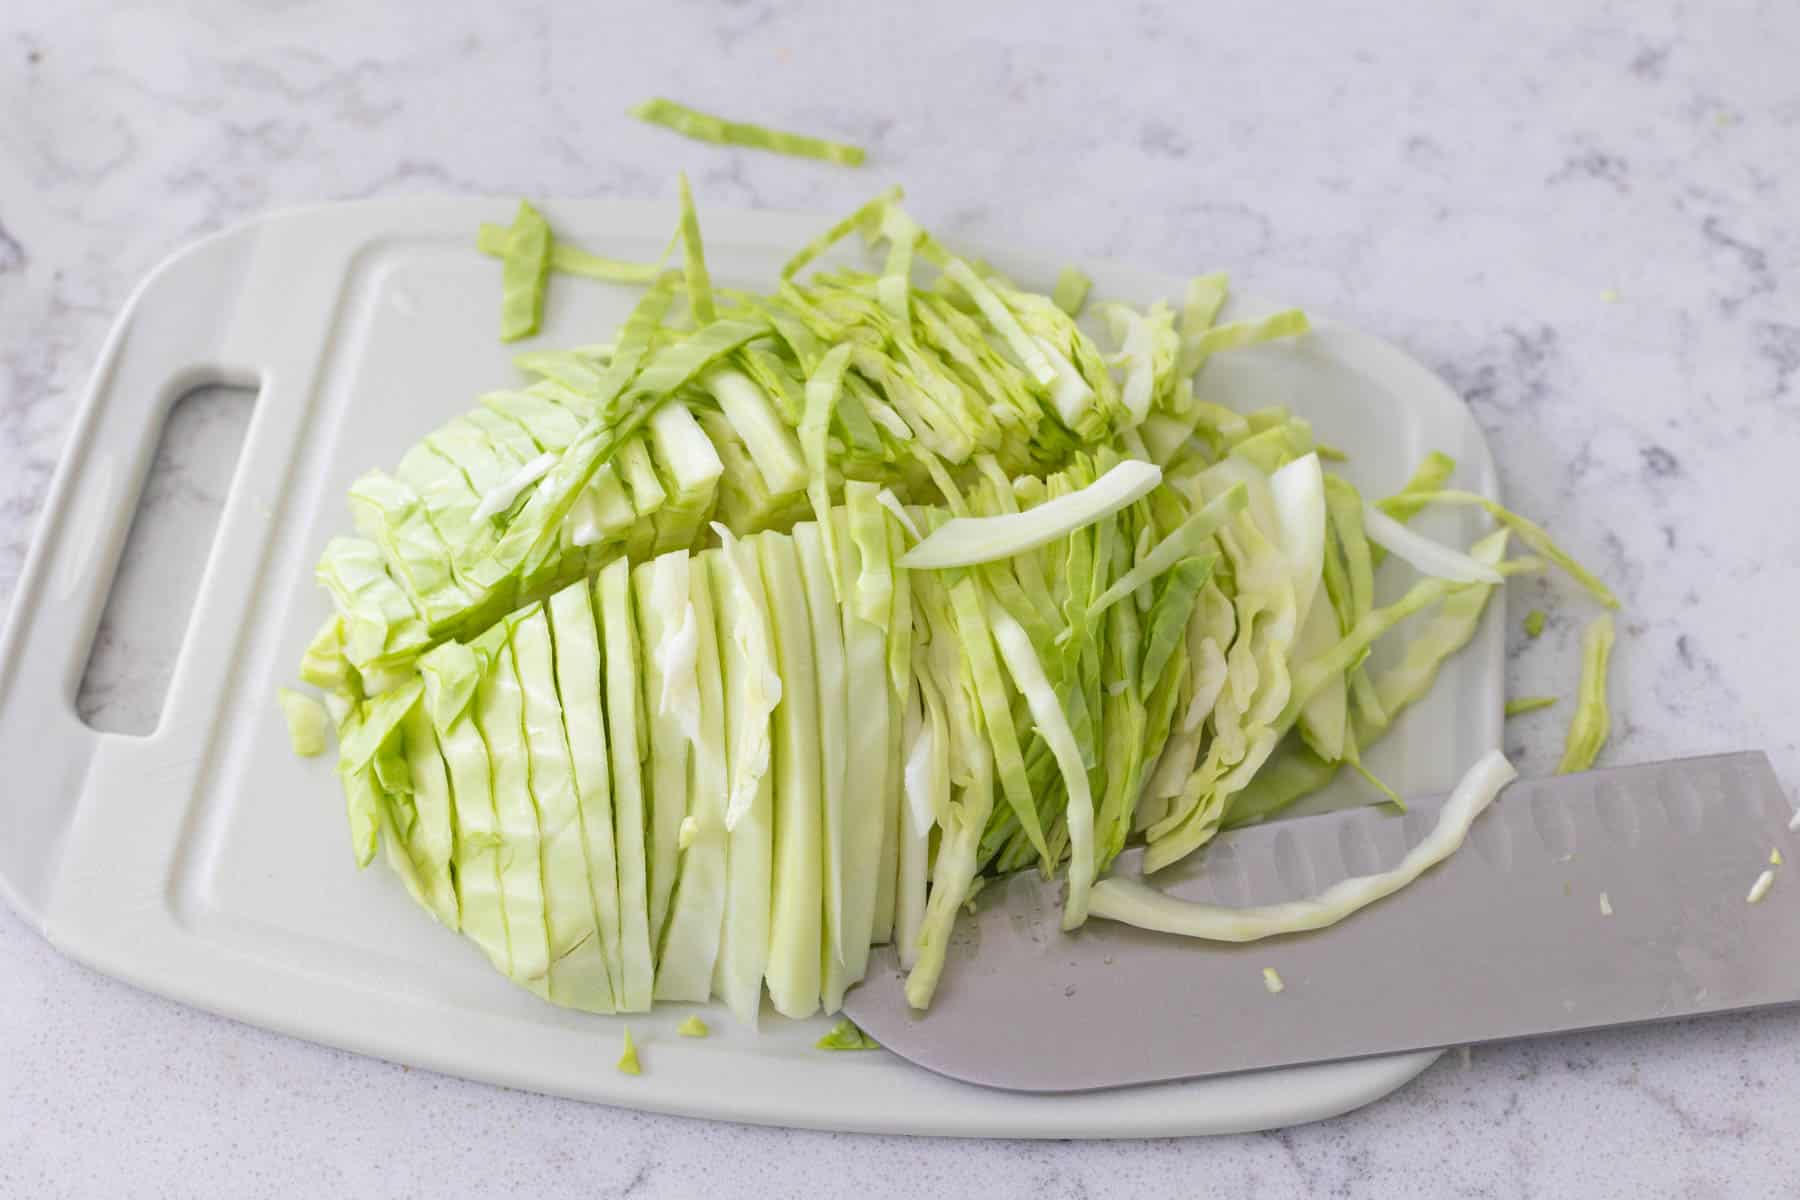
(976, 643)
(1046, 709)
(773, 446)
(965, 541)
(1298, 491)
(704, 127)
(1200, 308)
(927, 792)
(1288, 323)
(892, 503)
(1136, 353)
(1429, 557)
(1592, 722)
(1189, 538)
(772, 625)
(1030, 353)
(1533, 535)
(925, 762)
(567, 259)
(689, 469)
(1134, 902)
(869, 214)
(525, 269)
(699, 283)
(1410, 500)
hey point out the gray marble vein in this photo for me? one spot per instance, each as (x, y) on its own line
(1582, 215)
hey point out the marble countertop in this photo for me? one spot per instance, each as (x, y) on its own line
(1585, 223)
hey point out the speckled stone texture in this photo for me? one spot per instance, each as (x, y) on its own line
(1582, 214)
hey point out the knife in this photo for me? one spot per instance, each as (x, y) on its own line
(1612, 897)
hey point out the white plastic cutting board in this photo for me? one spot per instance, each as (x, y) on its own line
(207, 863)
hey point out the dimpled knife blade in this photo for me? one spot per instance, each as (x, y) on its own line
(1606, 898)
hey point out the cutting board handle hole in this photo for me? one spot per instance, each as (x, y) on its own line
(141, 630)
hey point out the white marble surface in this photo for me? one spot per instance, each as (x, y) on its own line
(1472, 180)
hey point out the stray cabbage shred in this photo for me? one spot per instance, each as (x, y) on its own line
(694, 663)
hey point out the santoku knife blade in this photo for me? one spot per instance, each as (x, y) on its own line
(1607, 898)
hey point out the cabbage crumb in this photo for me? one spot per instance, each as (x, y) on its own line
(628, 1060)
(846, 1036)
(1761, 887)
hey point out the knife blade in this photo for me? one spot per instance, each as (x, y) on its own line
(1611, 897)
